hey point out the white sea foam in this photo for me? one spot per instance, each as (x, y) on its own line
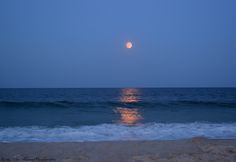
(112, 132)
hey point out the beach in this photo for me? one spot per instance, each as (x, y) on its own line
(118, 125)
(117, 81)
(198, 149)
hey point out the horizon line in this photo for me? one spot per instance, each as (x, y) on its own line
(110, 87)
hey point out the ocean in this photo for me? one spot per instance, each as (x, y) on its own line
(109, 114)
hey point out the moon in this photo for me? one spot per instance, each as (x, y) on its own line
(129, 45)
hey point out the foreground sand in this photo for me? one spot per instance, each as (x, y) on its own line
(191, 150)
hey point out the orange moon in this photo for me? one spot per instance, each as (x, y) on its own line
(129, 45)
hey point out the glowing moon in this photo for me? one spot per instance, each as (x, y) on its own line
(129, 45)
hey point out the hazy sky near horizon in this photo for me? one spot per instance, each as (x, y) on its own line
(81, 43)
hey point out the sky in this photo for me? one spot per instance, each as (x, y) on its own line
(81, 43)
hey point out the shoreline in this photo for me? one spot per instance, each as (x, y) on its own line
(198, 149)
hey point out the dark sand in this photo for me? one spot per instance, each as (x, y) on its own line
(191, 150)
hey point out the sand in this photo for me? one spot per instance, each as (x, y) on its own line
(189, 150)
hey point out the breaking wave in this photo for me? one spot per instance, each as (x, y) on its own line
(113, 132)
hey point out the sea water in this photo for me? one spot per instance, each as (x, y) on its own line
(105, 114)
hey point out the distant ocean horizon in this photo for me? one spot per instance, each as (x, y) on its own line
(105, 114)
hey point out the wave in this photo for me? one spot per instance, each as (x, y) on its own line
(113, 132)
(68, 104)
(31, 104)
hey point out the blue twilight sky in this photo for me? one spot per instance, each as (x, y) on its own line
(81, 43)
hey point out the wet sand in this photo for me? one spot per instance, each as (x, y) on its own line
(189, 150)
